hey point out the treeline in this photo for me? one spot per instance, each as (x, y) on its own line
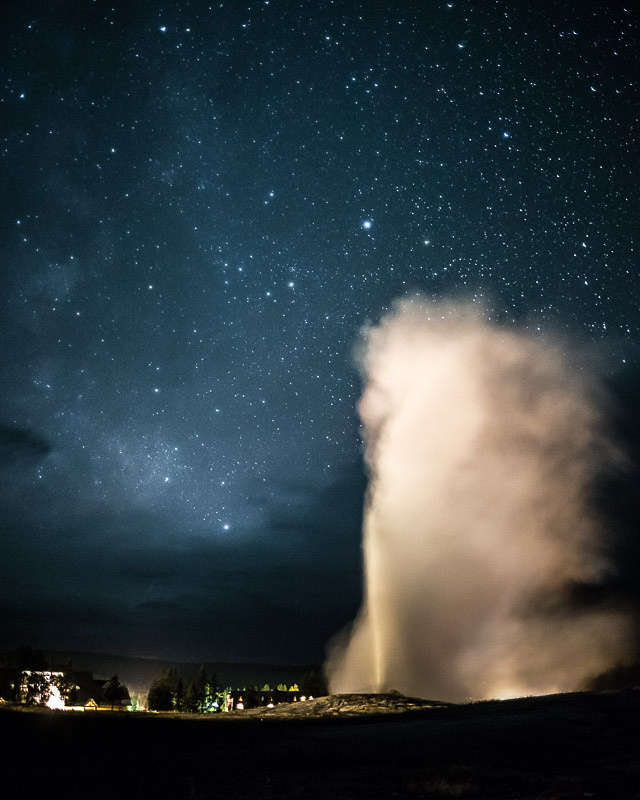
(168, 692)
(207, 695)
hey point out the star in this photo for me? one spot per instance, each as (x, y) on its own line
(264, 194)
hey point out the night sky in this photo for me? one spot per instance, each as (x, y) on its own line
(202, 204)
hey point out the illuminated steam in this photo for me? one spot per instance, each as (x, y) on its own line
(481, 444)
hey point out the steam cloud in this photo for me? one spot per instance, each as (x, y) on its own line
(482, 444)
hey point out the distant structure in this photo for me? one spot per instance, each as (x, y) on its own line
(67, 690)
(28, 679)
(241, 699)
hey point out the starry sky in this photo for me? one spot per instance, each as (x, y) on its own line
(202, 205)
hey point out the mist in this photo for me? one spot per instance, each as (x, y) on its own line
(480, 544)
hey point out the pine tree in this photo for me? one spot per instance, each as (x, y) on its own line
(113, 691)
(179, 696)
(162, 692)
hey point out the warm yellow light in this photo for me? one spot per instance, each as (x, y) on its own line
(55, 700)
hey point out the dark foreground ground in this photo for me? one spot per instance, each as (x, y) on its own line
(561, 746)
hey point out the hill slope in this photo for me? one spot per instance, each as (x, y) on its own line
(560, 746)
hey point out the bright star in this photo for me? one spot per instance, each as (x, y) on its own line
(367, 224)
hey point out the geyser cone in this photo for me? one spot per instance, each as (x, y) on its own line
(481, 444)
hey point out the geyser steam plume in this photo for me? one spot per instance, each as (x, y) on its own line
(482, 444)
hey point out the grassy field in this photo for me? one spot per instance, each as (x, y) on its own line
(560, 746)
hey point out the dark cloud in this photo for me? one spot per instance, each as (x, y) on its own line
(138, 574)
(20, 446)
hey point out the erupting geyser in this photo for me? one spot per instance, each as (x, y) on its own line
(482, 444)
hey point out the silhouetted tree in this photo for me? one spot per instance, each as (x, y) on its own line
(313, 684)
(114, 691)
(162, 691)
(9, 679)
(179, 696)
(34, 689)
(191, 698)
(168, 692)
(202, 693)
